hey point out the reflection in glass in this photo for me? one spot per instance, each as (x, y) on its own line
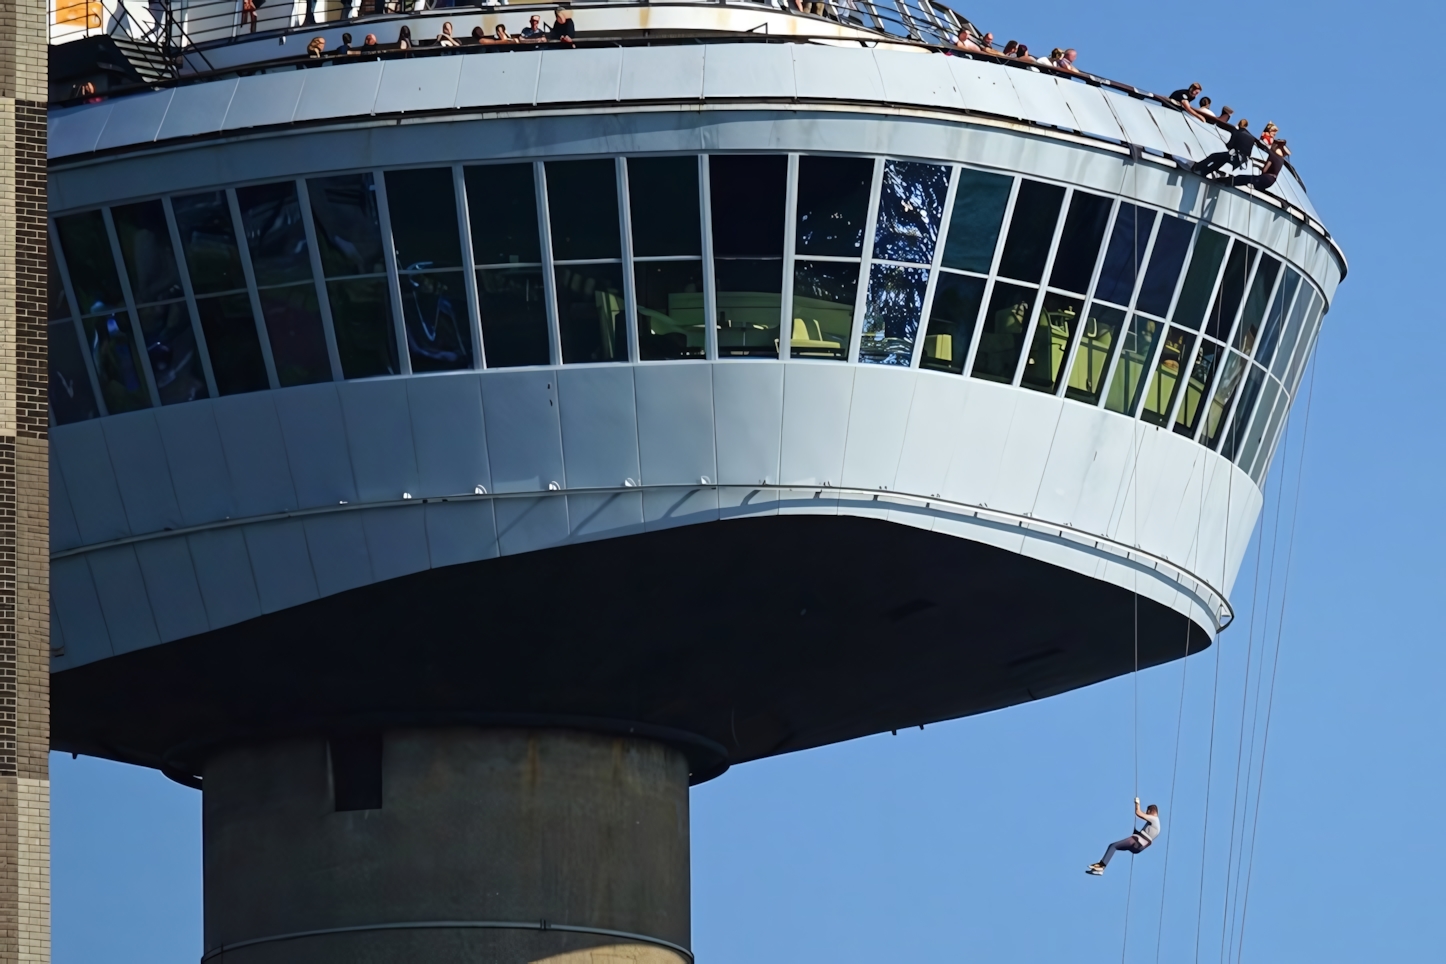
(1254, 312)
(1292, 333)
(348, 225)
(1036, 211)
(951, 321)
(1258, 423)
(1079, 242)
(275, 233)
(833, 202)
(1172, 240)
(1200, 278)
(434, 311)
(1134, 365)
(1231, 293)
(891, 314)
(1234, 434)
(747, 192)
(361, 315)
(150, 259)
(823, 308)
(979, 203)
(208, 238)
(514, 317)
(171, 348)
(582, 206)
(117, 363)
(1002, 336)
(750, 294)
(663, 206)
(293, 325)
(1305, 345)
(1275, 318)
(502, 212)
(1160, 396)
(590, 313)
(88, 256)
(1053, 332)
(232, 343)
(71, 399)
(1092, 357)
(1126, 254)
(1231, 376)
(911, 204)
(670, 309)
(1261, 462)
(422, 207)
(1197, 387)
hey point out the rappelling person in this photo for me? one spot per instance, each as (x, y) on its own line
(1135, 842)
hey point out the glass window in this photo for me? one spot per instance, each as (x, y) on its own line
(1261, 462)
(117, 363)
(1079, 243)
(293, 325)
(171, 348)
(1305, 345)
(361, 315)
(1200, 278)
(823, 308)
(911, 204)
(275, 234)
(1233, 436)
(514, 317)
(208, 237)
(1126, 254)
(1092, 357)
(1036, 211)
(1172, 240)
(233, 344)
(1255, 302)
(891, 314)
(88, 257)
(1231, 377)
(833, 203)
(979, 203)
(1275, 318)
(663, 206)
(1136, 352)
(590, 313)
(502, 212)
(952, 317)
(1003, 332)
(1197, 387)
(747, 195)
(71, 398)
(582, 207)
(422, 207)
(1258, 423)
(434, 310)
(1052, 334)
(150, 259)
(348, 225)
(670, 309)
(1292, 332)
(1232, 291)
(1160, 396)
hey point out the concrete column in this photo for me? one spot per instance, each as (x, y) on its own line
(24, 489)
(489, 845)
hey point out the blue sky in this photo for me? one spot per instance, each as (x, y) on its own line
(968, 840)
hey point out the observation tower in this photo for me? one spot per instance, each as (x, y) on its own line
(460, 451)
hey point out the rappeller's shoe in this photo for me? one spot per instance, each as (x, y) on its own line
(1097, 869)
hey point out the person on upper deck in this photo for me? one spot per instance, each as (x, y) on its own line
(533, 31)
(1186, 95)
(501, 36)
(965, 42)
(1203, 108)
(445, 38)
(317, 47)
(1067, 61)
(563, 30)
(1010, 48)
(1270, 169)
(404, 38)
(1237, 151)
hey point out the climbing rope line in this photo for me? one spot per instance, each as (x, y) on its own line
(1275, 664)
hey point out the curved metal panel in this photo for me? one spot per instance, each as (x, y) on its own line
(348, 90)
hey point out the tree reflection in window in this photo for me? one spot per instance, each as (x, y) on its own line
(911, 205)
(891, 314)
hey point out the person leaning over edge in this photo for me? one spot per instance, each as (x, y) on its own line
(533, 31)
(1237, 152)
(1135, 842)
(563, 30)
(1270, 169)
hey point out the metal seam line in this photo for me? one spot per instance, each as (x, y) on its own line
(541, 925)
(1224, 612)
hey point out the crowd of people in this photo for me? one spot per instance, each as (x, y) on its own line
(562, 30)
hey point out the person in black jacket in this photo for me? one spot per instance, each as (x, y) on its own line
(1237, 152)
(563, 30)
(1270, 168)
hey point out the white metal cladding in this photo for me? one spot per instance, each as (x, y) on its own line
(705, 72)
(203, 515)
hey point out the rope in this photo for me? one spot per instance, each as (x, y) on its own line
(1275, 665)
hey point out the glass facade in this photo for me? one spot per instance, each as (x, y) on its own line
(975, 273)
